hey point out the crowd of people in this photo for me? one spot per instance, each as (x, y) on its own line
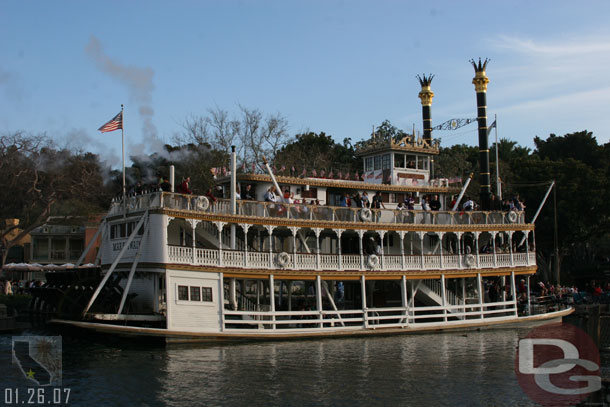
(15, 287)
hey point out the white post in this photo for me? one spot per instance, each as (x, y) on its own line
(405, 299)
(232, 293)
(221, 299)
(529, 302)
(481, 294)
(172, 178)
(272, 299)
(363, 293)
(319, 300)
(513, 291)
(444, 297)
(360, 236)
(402, 249)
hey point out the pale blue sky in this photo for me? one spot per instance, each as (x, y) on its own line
(333, 66)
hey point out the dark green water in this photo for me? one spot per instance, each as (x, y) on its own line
(459, 369)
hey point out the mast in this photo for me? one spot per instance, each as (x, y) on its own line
(480, 82)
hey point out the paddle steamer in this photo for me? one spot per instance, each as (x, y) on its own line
(185, 267)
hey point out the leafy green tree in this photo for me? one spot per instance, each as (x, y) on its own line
(319, 151)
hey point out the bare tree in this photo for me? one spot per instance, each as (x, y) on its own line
(253, 134)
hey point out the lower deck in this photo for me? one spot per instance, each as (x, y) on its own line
(173, 336)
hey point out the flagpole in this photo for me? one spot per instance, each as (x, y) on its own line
(123, 148)
(498, 186)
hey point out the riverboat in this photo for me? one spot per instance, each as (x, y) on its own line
(191, 268)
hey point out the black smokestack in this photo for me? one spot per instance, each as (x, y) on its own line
(480, 82)
(426, 96)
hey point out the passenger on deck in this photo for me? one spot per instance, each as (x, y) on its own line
(183, 188)
(365, 200)
(210, 196)
(469, 205)
(165, 185)
(435, 204)
(248, 193)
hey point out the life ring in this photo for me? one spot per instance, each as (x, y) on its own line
(470, 260)
(366, 215)
(373, 261)
(512, 216)
(282, 259)
(202, 203)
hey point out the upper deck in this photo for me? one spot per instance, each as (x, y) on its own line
(269, 212)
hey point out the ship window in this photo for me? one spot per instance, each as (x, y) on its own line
(377, 162)
(422, 162)
(411, 160)
(385, 164)
(195, 294)
(368, 164)
(312, 193)
(392, 198)
(399, 160)
(183, 293)
(206, 294)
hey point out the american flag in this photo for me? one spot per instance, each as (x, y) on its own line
(114, 124)
(322, 173)
(330, 174)
(347, 175)
(283, 168)
(304, 172)
(340, 175)
(314, 172)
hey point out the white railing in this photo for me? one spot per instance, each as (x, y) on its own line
(308, 261)
(369, 318)
(312, 212)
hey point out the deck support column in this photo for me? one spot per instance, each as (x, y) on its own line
(444, 297)
(440, 241)
(363, 294)
(476, 248)
(361, 236)
(245, 227)
(339, 233)
(272, 299)
(529, 301)
(232, 293)
(481, 295)
(294, 230)
(493, 239)
(421, 240)
(270, 232)
(289, 295)
(221, 300)
(317, 231)
(193, 224)
(401, 233)
(220, 226)
(510, 248)
(405, 299)
(513, 291)
(464, 296)
(319, 299)
(381, 236)
(459, 249)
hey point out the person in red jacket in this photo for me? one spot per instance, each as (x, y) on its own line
(184, 187)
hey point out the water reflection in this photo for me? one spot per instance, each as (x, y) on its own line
(474, 368)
